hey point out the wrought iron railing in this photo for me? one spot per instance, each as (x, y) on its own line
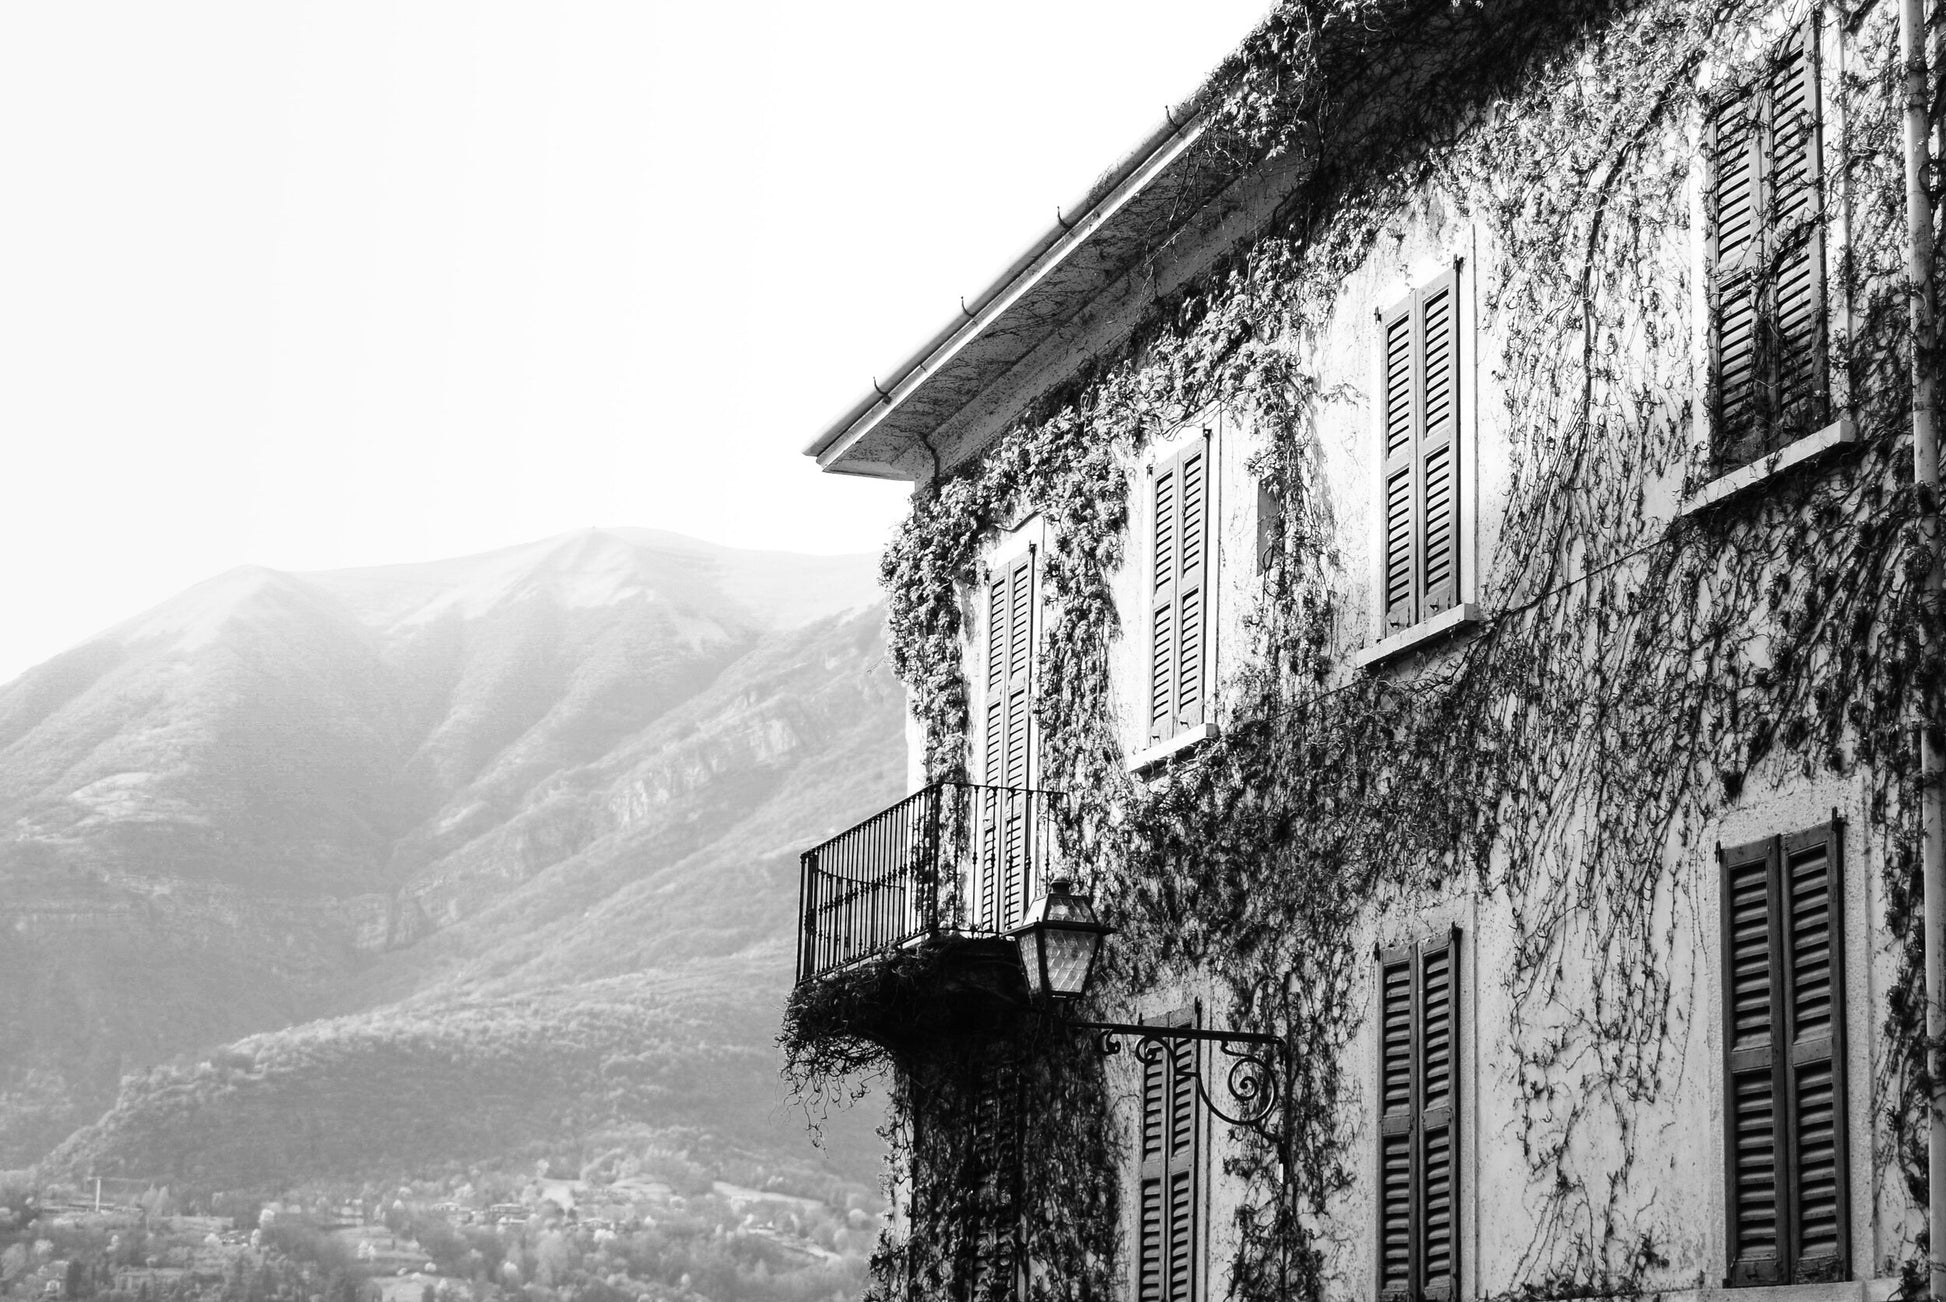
(953, 858)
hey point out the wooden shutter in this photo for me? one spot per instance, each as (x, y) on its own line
(1419, 1137)
(1397, 1253)
(1813, 889)
(1192, 582)
(1179, 589)
(1769, 381)
(1398, 420)
(1006, 749)
(1420, 467)
(1735, 254)
(1164, 563)
(1438, 452)
(1793, 227)
(1439, 1083)
(1166, 1242)
(1753, 1138)
(1787, 1197)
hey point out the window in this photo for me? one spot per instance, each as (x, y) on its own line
(1768, 375)
(1178, 591)
(1784, 1060)
(1270, 524)
(993, 1208)
(1418, 1143)
(1420, 441)
(1171, 1155)
(1005, 808)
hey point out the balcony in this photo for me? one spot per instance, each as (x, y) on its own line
(953, 862)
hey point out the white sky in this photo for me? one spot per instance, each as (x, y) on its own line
(319, 283)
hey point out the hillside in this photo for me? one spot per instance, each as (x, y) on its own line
(428, 862)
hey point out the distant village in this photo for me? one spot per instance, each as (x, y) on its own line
(633, 1239)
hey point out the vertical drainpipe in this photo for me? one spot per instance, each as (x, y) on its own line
(1925, 472)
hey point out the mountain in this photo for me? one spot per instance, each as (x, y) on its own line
(331, 872)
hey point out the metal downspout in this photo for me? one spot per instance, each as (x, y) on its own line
(1925, 473)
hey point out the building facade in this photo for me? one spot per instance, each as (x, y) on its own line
(1428, 547)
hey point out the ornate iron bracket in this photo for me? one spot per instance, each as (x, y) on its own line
(1254, 1081)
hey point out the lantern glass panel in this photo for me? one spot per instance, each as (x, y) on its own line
(1069, 955)
(1030, 958)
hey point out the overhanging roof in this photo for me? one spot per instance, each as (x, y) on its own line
(1129, 212)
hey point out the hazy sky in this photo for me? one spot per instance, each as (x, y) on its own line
(313, 284)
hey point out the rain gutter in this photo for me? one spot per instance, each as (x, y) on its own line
(1181, 127)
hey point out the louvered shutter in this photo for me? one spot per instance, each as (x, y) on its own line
(1397, 1222)
(1192, 582)
(1398, 421)
(1752, 1010)
(1438, 452)
(1438, 1228)
(1006, 750)
(1769, 380)
(1735, 255)
(1819, 1240)
(1166, 1242)
(1164, 564)
(993, 750)
(1419, 1137)
(1794, 229)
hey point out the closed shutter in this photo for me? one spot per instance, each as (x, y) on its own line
(1786, 1196)
(1438, 453)
(1192, 584)
(1795, 229)
(1166, 1242)
(1753, 1129)
(1769, 380)
(1398, 420)
(1814, 964)
(1166, 520)
(1419, 1138)
(1396, 1219)
(1420, 468)
(1438, 1229)
(1179, 589)
(1735, 252)
(1006, 749)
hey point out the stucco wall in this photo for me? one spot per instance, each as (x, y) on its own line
(1668, 1149)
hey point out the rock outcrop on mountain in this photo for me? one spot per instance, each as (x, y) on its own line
(294, 854)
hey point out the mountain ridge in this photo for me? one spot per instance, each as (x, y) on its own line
(279, 797)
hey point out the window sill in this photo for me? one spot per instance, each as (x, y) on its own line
(1857, 1290)
(1447, 623)
(1811, 447)
(1144, 762)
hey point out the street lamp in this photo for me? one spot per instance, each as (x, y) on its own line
(1059, 940)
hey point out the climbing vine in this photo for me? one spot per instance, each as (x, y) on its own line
(1635, 675)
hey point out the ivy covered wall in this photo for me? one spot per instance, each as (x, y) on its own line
(1646, 684)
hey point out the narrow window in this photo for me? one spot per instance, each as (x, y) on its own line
(1270, 524)
(1786, 1201)
(994, 1205)
(1768, 374)
(1420, 445)
(1005, 806)
(1178, 577)
(1171, 1157)
(1418, 1144)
